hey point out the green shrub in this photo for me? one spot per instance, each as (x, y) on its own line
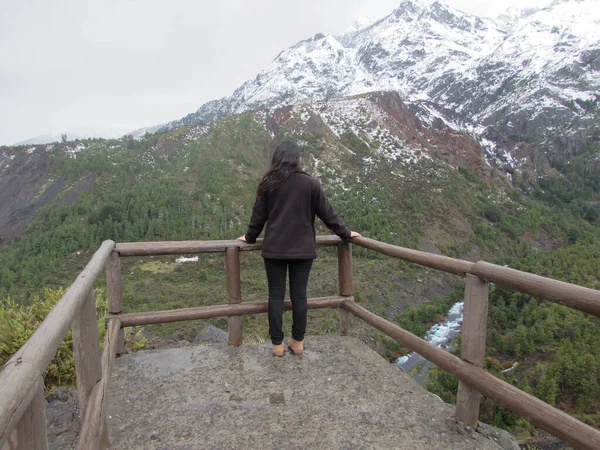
(492, 212)
(18, 323)
(355, 143)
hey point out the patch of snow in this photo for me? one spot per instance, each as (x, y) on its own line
(183, 259)
(367, 122)
(509, 369)
(72, 151)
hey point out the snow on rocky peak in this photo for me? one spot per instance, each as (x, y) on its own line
(405, 51)
(412, 49)
(314, 68)
(541, 64)
(543, 79)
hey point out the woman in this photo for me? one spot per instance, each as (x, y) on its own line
(287, 200)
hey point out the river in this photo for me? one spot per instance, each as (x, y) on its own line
(439, 335)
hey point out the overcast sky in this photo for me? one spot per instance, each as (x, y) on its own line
(112, 66)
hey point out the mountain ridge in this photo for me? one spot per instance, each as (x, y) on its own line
(506, 81)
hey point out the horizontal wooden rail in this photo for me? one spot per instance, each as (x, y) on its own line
(571, 295)
(536, 411)
(21, 373)
(94, 417)
(186, 247)
(207, 312)
(439, 262)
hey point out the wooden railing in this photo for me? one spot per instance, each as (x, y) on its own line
(22, 417)
(22, 420)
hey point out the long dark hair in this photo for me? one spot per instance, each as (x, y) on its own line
(285, 160)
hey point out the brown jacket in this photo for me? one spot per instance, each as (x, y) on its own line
(289, 213)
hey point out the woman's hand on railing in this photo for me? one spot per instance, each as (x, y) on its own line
(241, 238)
(355, 234)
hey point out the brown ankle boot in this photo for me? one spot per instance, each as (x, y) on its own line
(278, 350)
(297, 347)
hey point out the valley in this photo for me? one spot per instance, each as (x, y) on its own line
(494, 155)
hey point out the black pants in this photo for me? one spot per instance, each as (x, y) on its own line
(276, 275)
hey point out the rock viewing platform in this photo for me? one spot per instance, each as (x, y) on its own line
(339, 394)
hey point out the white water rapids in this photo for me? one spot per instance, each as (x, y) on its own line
(439, 335)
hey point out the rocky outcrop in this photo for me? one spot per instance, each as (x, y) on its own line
(338, 394)
(211, 335)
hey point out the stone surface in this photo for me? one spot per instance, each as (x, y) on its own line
(503, 437)
(338, 394)
(211, 334)
(62, 418)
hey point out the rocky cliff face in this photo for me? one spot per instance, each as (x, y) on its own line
(25, 188)
(28, 184)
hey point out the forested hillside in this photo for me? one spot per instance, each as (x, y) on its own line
(386, 179)
(546, 349)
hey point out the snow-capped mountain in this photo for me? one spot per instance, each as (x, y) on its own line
(532, 75)
(405, 51)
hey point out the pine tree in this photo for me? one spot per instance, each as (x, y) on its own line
(547, 388)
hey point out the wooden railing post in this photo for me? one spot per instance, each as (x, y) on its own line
(86, 350)
(474, 330)
(346, 284)
(234, 293)
(345, 269)
(114, 292)
(93, 431)
(31, 433)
